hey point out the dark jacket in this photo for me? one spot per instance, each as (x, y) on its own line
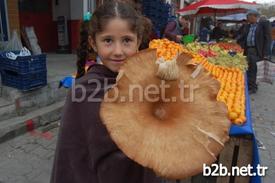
(204, 34)
(218, 33)
(262, 39)
(171, 31)
(240, 32)
(85, 152)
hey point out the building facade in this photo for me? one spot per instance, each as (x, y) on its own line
(9, 18)
(55, 22)
(44, 16)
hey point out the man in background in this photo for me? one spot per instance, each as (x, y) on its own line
(256, 42)
(218, 32)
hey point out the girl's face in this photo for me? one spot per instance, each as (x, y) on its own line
(115, 43)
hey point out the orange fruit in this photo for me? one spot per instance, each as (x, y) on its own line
(237, 110)
(233, 115)
(238, 121)
(243, 118)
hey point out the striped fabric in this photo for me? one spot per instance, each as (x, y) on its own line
(251, 35)
(266, 71)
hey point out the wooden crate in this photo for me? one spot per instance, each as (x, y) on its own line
(237, 152)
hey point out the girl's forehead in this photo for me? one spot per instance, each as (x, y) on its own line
(117, 27)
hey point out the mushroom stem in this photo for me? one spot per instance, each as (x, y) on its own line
(168, 70)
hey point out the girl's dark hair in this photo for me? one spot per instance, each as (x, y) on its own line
(104, 13)
(83, 49)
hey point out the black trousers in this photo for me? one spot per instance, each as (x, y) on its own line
(252, 59)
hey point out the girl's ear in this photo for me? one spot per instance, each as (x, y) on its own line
(92, 43)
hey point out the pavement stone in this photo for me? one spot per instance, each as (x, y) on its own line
(263, 116)
(27, 158)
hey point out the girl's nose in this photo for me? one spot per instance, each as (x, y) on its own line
(118, 50)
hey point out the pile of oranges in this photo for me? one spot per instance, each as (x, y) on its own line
(166, 49)
(232, 88)
(231, 79)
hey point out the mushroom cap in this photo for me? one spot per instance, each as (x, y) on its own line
(174, 138)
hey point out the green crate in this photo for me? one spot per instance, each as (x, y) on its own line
(188, 38)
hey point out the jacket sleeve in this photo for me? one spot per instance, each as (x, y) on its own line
(168, 32)
(110, 163)
(267, 39)
(118, 168)
(242, 37)
(71, 164)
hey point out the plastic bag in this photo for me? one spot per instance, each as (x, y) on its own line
(30, 33)
(266, 71)
(260, 71)
(15, 42)
(270, 71)
(23, 53)
(35, 48)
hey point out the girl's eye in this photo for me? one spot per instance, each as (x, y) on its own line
(107, 41)
(127, 40)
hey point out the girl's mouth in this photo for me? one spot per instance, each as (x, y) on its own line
(118, 61)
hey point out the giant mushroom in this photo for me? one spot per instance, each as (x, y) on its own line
(171, 123)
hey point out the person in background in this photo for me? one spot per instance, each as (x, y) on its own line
(218, 32)
(204, 34)
(232, 34)
(241, 32)
(256, 42)
(186, 25)
(267, 25)
(176, 29)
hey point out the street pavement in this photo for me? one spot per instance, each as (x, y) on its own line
(28, 158)
(263, 117)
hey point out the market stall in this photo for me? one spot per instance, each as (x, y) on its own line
(217, 7)
(214, 8)
(222, 61)
(233, 18)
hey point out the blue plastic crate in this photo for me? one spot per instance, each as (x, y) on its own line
(23, 65)
(24, 82)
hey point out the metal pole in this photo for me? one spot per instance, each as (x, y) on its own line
(182, 4)
(215, 14)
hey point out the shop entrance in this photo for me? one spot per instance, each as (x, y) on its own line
(4, 33)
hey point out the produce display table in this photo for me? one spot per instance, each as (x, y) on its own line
(247, 130)
(241, 150)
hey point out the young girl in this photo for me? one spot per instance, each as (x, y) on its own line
(85, 152)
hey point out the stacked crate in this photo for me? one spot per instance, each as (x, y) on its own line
(25, 73)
